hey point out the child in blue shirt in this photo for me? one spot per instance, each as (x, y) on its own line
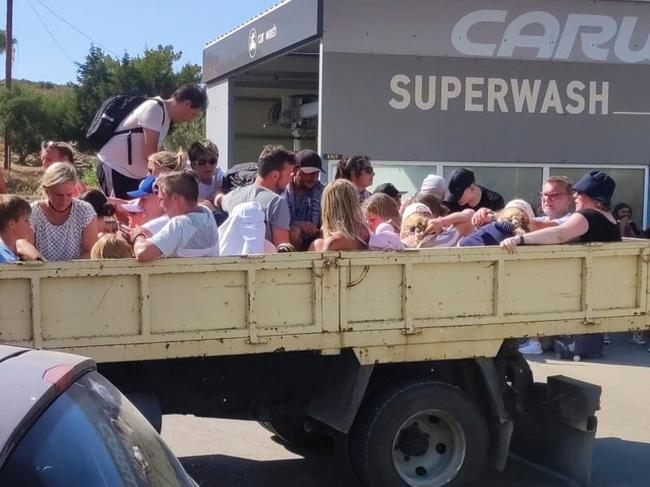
(14, 226)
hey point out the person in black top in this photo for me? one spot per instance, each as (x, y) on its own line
(464, 193)
(592, 221)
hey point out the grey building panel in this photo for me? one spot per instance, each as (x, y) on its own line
(357, 89)
(281, 28)
(566, 30)
(219, 120)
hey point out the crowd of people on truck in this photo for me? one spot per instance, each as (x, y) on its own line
(154, 204)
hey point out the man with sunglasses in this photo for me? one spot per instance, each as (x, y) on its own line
(204, 157)
(556, 202)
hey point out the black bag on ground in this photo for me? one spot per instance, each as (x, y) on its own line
(109, 116)
(575, 347)
(239, 175)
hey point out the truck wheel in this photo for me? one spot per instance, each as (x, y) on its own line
(422, 434)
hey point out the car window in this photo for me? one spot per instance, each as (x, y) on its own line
(92, 435)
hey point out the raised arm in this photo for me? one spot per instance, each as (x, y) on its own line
(571, 229)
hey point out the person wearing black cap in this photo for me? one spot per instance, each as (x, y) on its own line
(592, 221)
(390, 190)
(464, 193)
(303, 194)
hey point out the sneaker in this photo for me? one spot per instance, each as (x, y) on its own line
(606, 339)
(532, 347)
(637, 338)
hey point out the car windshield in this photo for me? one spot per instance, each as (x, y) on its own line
(92, 435)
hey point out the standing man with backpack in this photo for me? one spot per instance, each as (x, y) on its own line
(127, 129)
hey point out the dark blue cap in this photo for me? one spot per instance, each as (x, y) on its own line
(460, 180)
(145, 188)
(597, 185)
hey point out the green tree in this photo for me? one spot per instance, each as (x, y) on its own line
(182, 135)
(22, 113)
(3, 41)
(151, 74)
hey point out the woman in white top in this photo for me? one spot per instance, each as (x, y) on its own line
(65, 228)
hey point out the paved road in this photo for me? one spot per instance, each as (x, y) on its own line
(242, 454)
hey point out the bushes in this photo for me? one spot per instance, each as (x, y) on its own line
(34, 112)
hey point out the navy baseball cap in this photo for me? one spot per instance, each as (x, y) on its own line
(389, 189)
(146, 188)
(460, 180)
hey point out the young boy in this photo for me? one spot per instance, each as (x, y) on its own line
(14, 226)
(204, 156)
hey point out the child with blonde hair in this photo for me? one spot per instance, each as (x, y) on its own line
(513, 220)
(111, 246)
(382, 214)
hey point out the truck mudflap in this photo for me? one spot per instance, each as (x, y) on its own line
(557, 432)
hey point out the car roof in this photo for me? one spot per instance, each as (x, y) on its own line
(23, 374)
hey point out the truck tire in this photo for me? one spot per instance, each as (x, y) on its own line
(419, 434)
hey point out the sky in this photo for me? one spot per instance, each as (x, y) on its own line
(118, 26)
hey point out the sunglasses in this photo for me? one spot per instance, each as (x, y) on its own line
(552, 196)
(369, 170)
(203, 162)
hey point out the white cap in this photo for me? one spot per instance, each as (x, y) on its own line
(522, 206)
(435, 185)
(413, 208)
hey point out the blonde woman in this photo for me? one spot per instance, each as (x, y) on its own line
(165, 161)
(343, 225)
(65, 228)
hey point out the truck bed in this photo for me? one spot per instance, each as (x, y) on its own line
(385, 306)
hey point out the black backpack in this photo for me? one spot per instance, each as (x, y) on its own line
(109, 116)
(239, 175)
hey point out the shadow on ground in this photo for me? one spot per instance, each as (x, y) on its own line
(617, 463)
(620, 463)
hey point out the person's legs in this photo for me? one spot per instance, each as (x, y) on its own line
(531, 347)
(122, 184)
(636, 338)
(104, 178)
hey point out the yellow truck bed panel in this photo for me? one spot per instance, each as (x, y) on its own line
(387, 306)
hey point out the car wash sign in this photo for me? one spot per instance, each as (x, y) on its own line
(498, 94)
(540, 34)
(282, 27)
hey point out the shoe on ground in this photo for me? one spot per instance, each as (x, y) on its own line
(532, 347)
(637, 339)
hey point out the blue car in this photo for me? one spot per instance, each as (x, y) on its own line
(62, 424)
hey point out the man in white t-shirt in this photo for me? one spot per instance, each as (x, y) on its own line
(191, 230)
(123, 160)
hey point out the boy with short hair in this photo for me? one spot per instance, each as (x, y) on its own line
(204, 159)
(14, 226)
(191, 230)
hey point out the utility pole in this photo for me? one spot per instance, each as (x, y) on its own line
(9, 57)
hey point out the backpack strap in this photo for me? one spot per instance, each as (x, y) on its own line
(138, 130)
